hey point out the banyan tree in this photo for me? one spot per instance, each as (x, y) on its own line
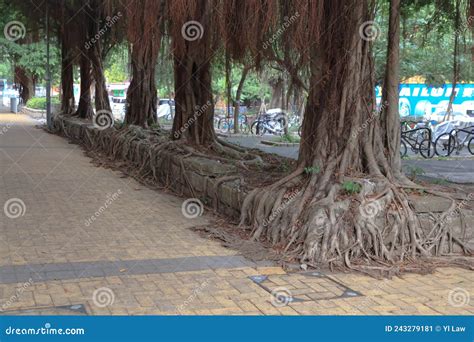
(347, 198)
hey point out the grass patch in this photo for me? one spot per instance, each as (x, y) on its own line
(40, 102)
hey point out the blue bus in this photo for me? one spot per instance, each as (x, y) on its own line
(420, 100)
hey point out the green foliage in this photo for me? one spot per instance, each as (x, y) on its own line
(289, 138)
(285, 166)
(351, 187)
(426, 42)
(312, 170)
(415, 172)
(40, 102)
(116, 64)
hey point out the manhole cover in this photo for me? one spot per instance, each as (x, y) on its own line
(302, 287)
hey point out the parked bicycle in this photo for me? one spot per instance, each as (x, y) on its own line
(419, 139)
(226, 123)
(455, 141)
(269, 123)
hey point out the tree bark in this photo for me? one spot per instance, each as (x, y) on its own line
(95, 54)
(26, 83)
(194, 103)
(67, 73)
(238, 95)
(84, 108)
(390, 117)
(142, 94)
(277, 93)
(228, 88)
(193, 54)
(144, 46)
(457, 28)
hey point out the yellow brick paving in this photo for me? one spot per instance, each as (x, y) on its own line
(61, 189)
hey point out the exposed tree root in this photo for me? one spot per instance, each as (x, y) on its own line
(321, 224)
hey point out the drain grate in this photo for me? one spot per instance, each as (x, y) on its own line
(63, 310)
(304, 287)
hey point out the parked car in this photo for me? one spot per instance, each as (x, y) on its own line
(166, 109)
(118, 107)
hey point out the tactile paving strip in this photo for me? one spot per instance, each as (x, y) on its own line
(65, 310)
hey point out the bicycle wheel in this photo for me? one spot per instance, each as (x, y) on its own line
(470, 146)
(403, 149)
(221, 123)
(244, 127)
(426, 149)
(257, 128)
(243, 123)
(445, 145)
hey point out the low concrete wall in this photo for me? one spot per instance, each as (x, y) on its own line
(203, 175)
(200, 174)
(39, 113)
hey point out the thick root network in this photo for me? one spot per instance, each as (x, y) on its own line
(327, 226)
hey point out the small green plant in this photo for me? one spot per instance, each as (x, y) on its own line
(415, 172)
(288, 138)
(440, 181)
(40, 102)
(285, 167)
(155, 126)
(351, 187)
(312, 170)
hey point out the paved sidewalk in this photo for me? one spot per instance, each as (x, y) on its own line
(79, 239)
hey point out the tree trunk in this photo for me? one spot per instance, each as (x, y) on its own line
(194, 103)
(228, 88)
(277, 93)
(238, 95)
(457, 28)
(390, 117)
(67, 75)
(84, 109)
(95, 54)
(144, 47)
(101, 96)
(26, 84)
(342, 203)
(142, 94)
